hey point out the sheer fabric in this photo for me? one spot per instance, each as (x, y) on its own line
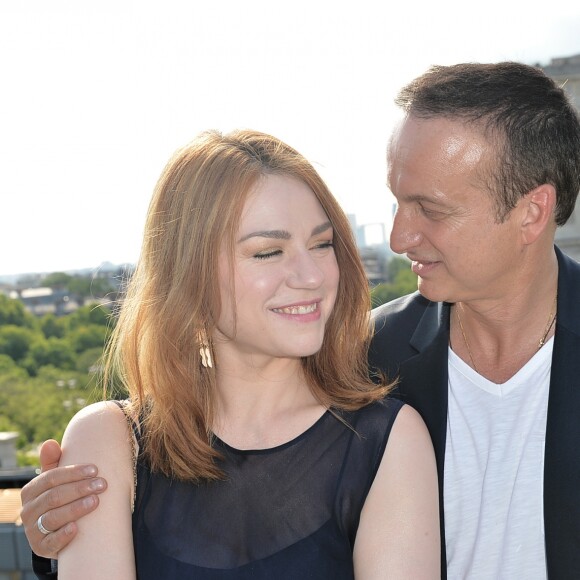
(287, 512)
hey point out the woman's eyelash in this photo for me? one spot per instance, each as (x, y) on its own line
(272, 253)
(328, 244)
(266, 255)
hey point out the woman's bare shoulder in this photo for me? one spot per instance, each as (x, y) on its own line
(99, 428)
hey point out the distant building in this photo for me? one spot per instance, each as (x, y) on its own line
(41, 301)
(566, 71)
(8, 449)
(371, 240)
(15, 554)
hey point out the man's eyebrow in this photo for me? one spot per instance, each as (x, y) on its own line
(283, 234)
(422, 198)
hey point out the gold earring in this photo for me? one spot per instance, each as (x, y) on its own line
(204, 350)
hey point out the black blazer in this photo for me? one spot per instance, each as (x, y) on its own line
(410, 342)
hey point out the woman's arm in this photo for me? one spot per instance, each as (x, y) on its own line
(103, 548)
(61, 495)
(398, 534)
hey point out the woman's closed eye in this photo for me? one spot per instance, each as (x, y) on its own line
(267, 254)
(324, 245)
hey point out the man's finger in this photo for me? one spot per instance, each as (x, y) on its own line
(50, 453)
(49, 546)
(55, 477)
(60, 508)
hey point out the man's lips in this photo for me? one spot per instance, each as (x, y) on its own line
(421, 267)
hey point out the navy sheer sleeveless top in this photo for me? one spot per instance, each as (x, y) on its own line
(289, 512)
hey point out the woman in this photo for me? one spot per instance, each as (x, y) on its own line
(262, 449)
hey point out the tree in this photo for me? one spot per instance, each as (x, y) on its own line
(88, 336)
(52, 351)
(52, 326)
(89, 287)
(12, 311)
(90, 361)
(57, 280)
(88, 315)
(40, 407)
(8, 366)
(405, 282)
(395, 266)
(15, 341)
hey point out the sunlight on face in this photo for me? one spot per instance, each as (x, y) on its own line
(446, 220)
(285, 274)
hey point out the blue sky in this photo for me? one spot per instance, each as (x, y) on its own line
(96, 97)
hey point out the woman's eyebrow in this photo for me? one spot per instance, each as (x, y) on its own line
(321, 228)
(283, 234)
(275, 234)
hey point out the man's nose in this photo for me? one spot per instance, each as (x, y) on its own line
(405, 234)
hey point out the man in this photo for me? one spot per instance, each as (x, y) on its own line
(484, 166)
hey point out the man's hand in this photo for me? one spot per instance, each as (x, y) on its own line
(61, 495)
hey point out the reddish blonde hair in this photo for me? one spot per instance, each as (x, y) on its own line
(172, 300)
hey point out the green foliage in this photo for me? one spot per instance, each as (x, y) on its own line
(27, 459)
(13, 312)
(88, 315)
(90, 336)
(395, 266)
(80, 286)
(15, 341)
(52, 326)
(90, 361)
(6, 424)
(57, 280)
(40, 407)
(404, 282)
(52, 351)
(48, 367)
(8, 366)
(89, 287)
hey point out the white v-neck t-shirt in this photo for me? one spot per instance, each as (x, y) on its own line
(494, 471)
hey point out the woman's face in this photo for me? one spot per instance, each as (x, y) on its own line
(285, 274)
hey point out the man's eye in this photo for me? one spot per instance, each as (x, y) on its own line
(431, 213)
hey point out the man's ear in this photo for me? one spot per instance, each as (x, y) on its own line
(538, 207)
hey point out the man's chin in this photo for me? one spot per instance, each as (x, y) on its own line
(433, 292)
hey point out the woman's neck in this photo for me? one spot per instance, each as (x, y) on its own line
(264, 406)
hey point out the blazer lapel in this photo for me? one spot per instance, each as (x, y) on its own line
(427, 374)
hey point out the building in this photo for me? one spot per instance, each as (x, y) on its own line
(41, 301)
(371, 240)
(15, 554)
(8, 449)
(566, 71)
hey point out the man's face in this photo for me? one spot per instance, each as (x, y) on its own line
(446, 219)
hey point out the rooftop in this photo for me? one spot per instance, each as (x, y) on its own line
(563, 65)
(10, 506)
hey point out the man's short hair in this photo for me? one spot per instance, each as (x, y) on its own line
(525, 112)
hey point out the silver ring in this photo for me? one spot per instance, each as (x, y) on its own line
(40, 527)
